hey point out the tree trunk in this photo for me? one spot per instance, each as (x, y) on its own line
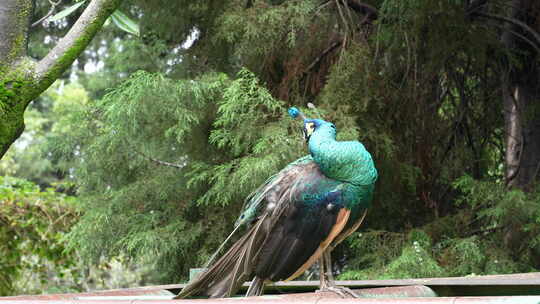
(21, 78)
(521, 99)
(14, 24)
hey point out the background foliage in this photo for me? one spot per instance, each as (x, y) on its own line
(163, 136)
(33, 222)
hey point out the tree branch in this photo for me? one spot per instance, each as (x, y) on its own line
(51, 11)
(21, 78)
(73, 44)
(527, 40)
(515, 22)
(163, 163)
(475, 6)
(319, 58)
(369, 11)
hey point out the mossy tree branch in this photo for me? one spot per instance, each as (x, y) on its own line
(75, 42)
(22, 79)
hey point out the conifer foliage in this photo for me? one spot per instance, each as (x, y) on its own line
(183, 156)
(164, 160)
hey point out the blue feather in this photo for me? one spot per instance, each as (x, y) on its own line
(294, 112)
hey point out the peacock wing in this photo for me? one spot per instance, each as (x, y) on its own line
(306, 212)
(269, 192)
(299, 212)
(265, 197)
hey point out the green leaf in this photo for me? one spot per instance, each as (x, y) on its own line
(125, 23)
(66, 12)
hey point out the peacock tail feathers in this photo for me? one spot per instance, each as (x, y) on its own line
(228, 273)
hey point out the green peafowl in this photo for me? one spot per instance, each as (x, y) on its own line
(297, 217)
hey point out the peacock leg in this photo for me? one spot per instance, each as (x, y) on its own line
(325, 271)
(322, 274)
(327, 278)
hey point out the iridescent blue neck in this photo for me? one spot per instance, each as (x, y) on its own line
(323, 147)
(347, 161)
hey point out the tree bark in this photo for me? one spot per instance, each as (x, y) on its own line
(513, 104)
(521, 96)
(14, 25)
(21, 78)
(14, 22)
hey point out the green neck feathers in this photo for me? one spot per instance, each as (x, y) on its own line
(346, 161)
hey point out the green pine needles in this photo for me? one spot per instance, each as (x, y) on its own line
(157, 160)
(163, 167)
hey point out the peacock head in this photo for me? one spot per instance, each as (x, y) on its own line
(313, 126)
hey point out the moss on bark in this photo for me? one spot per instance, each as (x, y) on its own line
(11, 113)
(21, 79)
(16, 87)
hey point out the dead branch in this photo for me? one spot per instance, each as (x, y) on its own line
(371, 13)
(324, 53)
(51, 11)
(515, 22)
(161, 162)
(474, 7)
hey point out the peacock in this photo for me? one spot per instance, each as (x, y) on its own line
(296, 217)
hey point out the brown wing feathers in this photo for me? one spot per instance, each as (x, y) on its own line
(346, 232)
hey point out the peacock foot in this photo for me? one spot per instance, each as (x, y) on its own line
(343, 292)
